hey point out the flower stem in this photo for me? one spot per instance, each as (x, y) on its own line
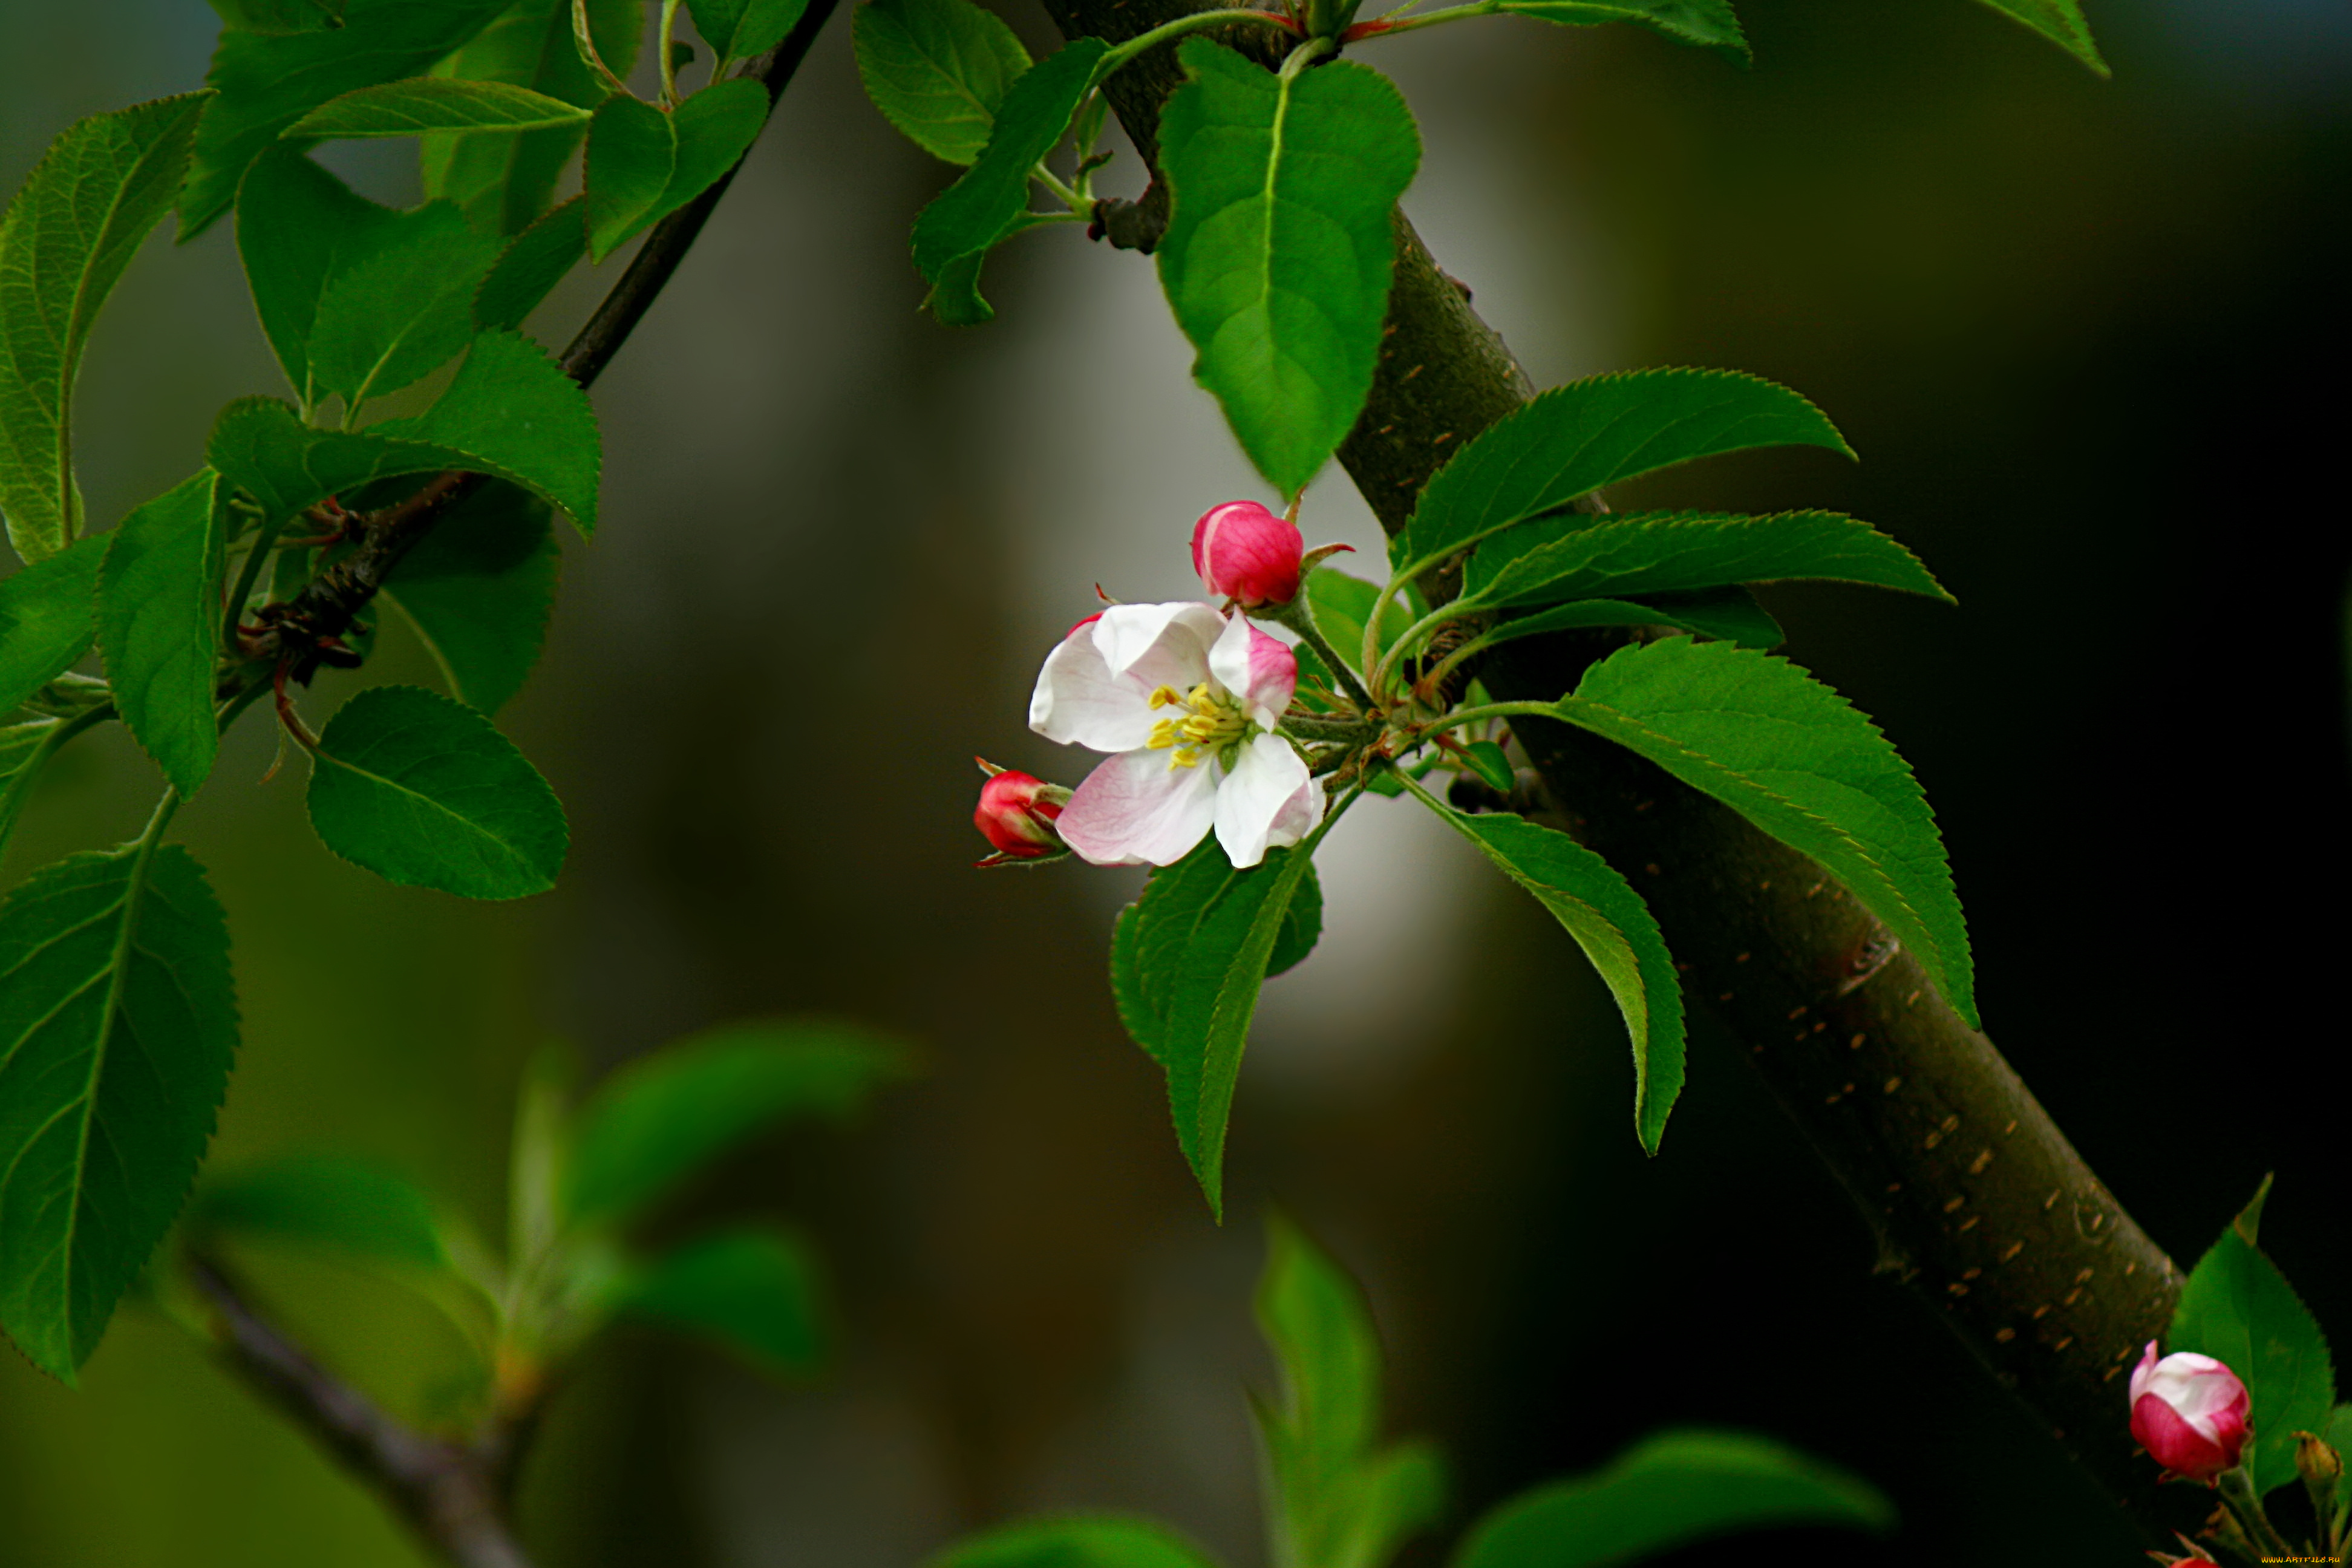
(1178, 28)
(1299, 617)
(669, 54)
(1381, 27)
(2237, 1490)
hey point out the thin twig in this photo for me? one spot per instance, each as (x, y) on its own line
(329, 601)
(446, 1491)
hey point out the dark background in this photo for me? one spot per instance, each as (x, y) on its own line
(2088, 339)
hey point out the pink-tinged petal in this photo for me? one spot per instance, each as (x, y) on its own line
(2174, 1443)
(1159, 645)
(1079, 700)
(1299, 815)
(1259, 669)
(1257, 797)
(1136, 810)
(2143, 1372)
(1244, 552)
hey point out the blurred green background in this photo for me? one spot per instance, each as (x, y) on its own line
(2087, 338)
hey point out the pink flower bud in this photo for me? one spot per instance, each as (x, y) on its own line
(1244, 552)
(1016, 815)
(2189, 1411)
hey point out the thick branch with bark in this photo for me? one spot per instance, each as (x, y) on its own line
(1976, 1198)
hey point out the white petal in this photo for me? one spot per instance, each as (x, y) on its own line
(1135, 810)
(1159, 645)
(1078, 699)
(1265, 800)
(1255, 668)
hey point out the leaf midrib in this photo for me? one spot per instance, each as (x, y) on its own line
(1567, 704)
(134, 890)
(516, 856)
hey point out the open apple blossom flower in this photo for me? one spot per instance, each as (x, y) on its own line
(1184, 699)
(2189, 1411)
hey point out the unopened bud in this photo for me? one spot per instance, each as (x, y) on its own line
(2316, 1460)
(1245, 553)
(1016, 815)
(2189, 1411)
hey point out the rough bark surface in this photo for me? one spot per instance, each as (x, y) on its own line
(1976, 1198)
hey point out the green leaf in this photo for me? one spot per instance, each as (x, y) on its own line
(65, 240)
(511, 412)
(326, 1202)
(1302, 926)
(159, 625)
(298, 229)
(665, 1115)
(2237, 1308)
(1667, 1491)
(738, 29)
(1338, 1501)
(1491, 763)
(261, 446)
(1622, 554)
(1343, 604)
(1709, 24)
(265, 83)
(644, 164)
(938, 70)
(1187, 960)
(2061, 22)
(425, 793)
(404, 310)
(479, 590)
(1075, 1540)
(503, 181)
(422, 103)
(47, 618)
(1731, 614)
(24, 750)
(1609, 921)
(531, 267)
(279, 16)
(117, 1022)
(954, 232)
(753, 1291)
(1279, 248)
(1573, 440)
(1800, 763)
(632, 151)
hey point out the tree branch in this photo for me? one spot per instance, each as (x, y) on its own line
(446, 1492)
(327, 605)
(1976, 1198)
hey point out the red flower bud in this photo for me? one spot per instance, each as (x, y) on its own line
(1016, 815)
(1244, 552)
(2189, 1411)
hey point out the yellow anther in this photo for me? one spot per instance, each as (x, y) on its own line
(1163, 735)
(1166, 697)
(1185, 757)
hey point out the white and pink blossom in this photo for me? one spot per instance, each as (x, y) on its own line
(2190, 1411)
(1185, 699)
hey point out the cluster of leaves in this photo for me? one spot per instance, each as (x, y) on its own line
(584, 1180)
(1278, 250)
(1336, 1496)
(1712, 708)
(1276, 263)
(119, 1022)
(2237, 1308)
